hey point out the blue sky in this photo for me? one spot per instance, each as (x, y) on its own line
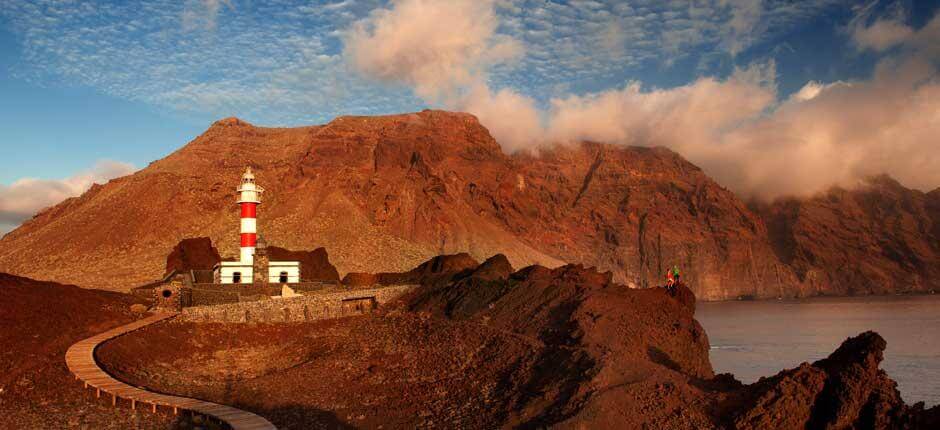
(85, 81)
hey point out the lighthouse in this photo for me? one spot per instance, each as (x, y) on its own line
(249, 269)
(249, 197)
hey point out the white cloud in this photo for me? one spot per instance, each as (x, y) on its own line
(745, 16)
(882, 34)
(885, 33)
(281, 63)
(808, 91)
(823, 135)
(734, 128)
(273, 64)
(25, 197)
(287, 63)
(434, 46)
(512, 119)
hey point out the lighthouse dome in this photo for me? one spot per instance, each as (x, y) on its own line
(248, 176)
(249, 191)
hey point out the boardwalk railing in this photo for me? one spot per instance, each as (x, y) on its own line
(80, 359)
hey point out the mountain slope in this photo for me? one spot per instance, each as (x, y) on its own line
(382, 194)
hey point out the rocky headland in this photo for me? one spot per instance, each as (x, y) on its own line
(476, 345)
(484, 345)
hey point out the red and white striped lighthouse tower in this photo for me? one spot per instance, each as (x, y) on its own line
(249, 197)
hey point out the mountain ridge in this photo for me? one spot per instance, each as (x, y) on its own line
(384, 193)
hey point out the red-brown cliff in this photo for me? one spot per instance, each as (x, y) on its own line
(878, 238)
(385, 193)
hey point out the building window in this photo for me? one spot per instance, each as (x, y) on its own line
(283, 278)
(237, 277)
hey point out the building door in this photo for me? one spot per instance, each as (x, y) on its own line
(237, 277)
(283, 278)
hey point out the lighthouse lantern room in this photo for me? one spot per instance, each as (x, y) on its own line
(245, 269)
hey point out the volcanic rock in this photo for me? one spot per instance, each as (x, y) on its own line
(565, 348)
(845, 390)
(38, 322)
(386, 193)
(494, 268)
(314, 265)
(192, 254)
(438, 269)
(880, 238)
(442, 266)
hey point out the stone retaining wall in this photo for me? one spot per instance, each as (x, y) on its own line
(308, 307)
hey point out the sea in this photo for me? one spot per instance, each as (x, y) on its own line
(751, 339)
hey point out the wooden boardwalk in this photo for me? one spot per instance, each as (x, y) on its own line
(80, 359)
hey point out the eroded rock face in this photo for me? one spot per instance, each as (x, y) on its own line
(192, 254)
(314, 265)
(637, 359)
(386, 193)
(845, 390)
(881, 238)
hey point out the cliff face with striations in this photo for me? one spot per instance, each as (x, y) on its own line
(382, 194)
(880, 238)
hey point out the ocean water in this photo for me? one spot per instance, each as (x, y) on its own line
(759, 338)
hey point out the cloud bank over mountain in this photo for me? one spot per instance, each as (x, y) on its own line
(713, 80)
(735, 128)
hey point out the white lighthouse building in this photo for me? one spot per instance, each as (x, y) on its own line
(248, 269)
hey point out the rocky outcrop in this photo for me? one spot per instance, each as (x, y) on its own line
(199, 254)
(483, 347)
(494, 268)
(192, 254)
(637, 359)
(437, 269)
(845, 390)
(880, 238)
(314, 265)
(601, 342)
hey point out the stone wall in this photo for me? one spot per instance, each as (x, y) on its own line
(204, 297)
(308, 307)
(242, 289)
